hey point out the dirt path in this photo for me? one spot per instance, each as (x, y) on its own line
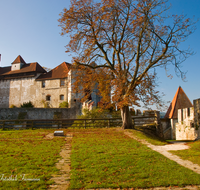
(63, 179)
(164, 151)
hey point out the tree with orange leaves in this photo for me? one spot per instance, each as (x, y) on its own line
(127, 40)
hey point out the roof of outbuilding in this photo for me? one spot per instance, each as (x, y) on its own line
(179, 101)
(61, 71)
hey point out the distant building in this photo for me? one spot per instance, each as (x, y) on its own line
(181, 114)
(23, 82)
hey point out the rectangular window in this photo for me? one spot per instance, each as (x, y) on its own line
(61, 97)
(188, 112)
(48, 98)
(62, 82)
(181, 114)
(43, 84)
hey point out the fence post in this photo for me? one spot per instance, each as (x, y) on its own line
(32, 124)
(108, 123)
(3, 124)
(85, 124)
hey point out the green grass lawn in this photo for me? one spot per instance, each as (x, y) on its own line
(24, 155)
(106, 158)
(101, 158)
(192, 154)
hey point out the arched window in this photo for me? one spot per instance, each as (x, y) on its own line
(48, 98)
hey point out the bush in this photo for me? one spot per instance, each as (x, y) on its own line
(63, 105)
(13, 106)
(27, 105)
(45, 104)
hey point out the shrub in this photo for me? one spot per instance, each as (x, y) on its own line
(27, 105)
(45, 104)
(13, 106)
(63, 105)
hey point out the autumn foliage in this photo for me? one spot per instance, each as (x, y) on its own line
(119, 44)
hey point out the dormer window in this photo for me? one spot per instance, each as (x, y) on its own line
(18, 63)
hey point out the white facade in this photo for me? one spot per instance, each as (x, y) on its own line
(185, 129)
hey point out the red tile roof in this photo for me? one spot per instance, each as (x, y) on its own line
(61, 71)
(19, 59)
(6, 72)
(31, 67)
(179, 101)
(5, 69)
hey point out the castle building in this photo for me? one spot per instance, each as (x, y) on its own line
(23, 82)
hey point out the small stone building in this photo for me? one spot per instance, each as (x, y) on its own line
(181, 115)
(23, 82)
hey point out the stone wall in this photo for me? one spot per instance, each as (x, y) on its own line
(54, 90)
(39, 113)
(148, 117)
(185, 129)
(17, 91)
(165, 123)
(196, 104)
(22, 90)
(150, 120)
(4, 93)
(173, 128)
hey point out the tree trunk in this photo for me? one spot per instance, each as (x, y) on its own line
(126, 118)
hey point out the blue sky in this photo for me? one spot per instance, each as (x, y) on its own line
(30, 29)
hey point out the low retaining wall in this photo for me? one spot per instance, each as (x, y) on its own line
(39, 113)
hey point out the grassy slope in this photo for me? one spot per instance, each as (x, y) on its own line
(105, 158)
(27, 152)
